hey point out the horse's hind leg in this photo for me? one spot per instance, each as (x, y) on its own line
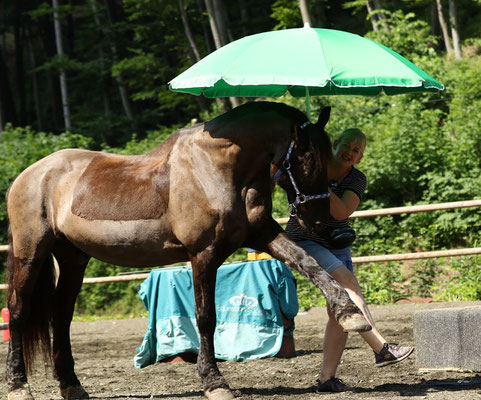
(204, 270)
(72, 263)
(31, 286)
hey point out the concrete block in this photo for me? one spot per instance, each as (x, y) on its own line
(448, 339)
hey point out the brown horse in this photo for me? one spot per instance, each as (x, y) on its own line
(202, 194)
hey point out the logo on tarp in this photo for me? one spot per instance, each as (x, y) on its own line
(243, 300)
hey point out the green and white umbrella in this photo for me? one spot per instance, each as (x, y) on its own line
(303, 61)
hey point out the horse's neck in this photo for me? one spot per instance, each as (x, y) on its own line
(256, 133)
(277, 142)
(268, 138)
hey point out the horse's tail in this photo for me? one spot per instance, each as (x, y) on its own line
(36, 326)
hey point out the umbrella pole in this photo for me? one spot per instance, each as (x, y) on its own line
(308, 105)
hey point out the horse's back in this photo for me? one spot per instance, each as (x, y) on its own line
(59, 160)
(46, 173)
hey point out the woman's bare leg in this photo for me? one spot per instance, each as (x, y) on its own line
(333, 346)
(349, 282)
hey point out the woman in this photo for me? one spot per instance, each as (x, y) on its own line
(347, 184)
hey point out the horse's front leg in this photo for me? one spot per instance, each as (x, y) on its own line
(204, 270)
(279, 246)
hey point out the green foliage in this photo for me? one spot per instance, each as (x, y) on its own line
(157, 55)
(287, 13)
(108, 298)
(280, 207)
(307, 294)
(454, 279)
(464, 281)
(424, 275)
(380, 283)
(406, 34)
(142, 146)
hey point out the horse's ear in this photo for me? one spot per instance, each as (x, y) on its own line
(324, 117)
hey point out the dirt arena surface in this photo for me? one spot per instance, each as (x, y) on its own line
(104, 352)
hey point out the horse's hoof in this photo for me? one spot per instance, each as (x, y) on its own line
(22, 393)
(355, 323)
(73, 392)
(219, 394)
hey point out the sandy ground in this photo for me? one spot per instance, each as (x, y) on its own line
(104, 352)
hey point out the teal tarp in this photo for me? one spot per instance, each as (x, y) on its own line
(250, 300)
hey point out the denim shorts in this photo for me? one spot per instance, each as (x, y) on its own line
(329, 259)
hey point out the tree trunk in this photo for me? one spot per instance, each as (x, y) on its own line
(19, 65)
(217, 25)
(454, 29)
(444, 27)
(36, 93)
(306, 16)
(51, 101)
(213, 24)
(205, 29)
(103, 73)
(244, 16)
(56, 101)
(380, 16)
(221, 20)
(225, 18)
(372, 17)
(210, 48)
(118, 78)
(63, 78)
(6, 95)
(434, 19)
(194, 52)
(318, 15)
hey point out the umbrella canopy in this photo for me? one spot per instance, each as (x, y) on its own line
(304, 61)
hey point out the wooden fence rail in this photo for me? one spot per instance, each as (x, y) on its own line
(356, 260)
(407, 210)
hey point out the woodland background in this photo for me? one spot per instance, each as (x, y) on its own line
(93, 74)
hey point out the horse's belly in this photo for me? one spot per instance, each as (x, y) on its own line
(128, 243)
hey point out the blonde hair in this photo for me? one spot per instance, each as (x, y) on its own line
(354, 133)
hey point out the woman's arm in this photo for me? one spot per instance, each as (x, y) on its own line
(343, 207)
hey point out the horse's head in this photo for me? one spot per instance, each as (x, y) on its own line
(303, 172)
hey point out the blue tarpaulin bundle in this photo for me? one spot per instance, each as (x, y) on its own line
(250, 300)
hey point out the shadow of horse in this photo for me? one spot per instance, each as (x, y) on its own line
(424, 387)
(300, 352)
(187, 395)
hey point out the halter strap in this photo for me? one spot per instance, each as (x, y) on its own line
(286, 167)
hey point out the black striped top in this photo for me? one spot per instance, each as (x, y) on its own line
(354, 181)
